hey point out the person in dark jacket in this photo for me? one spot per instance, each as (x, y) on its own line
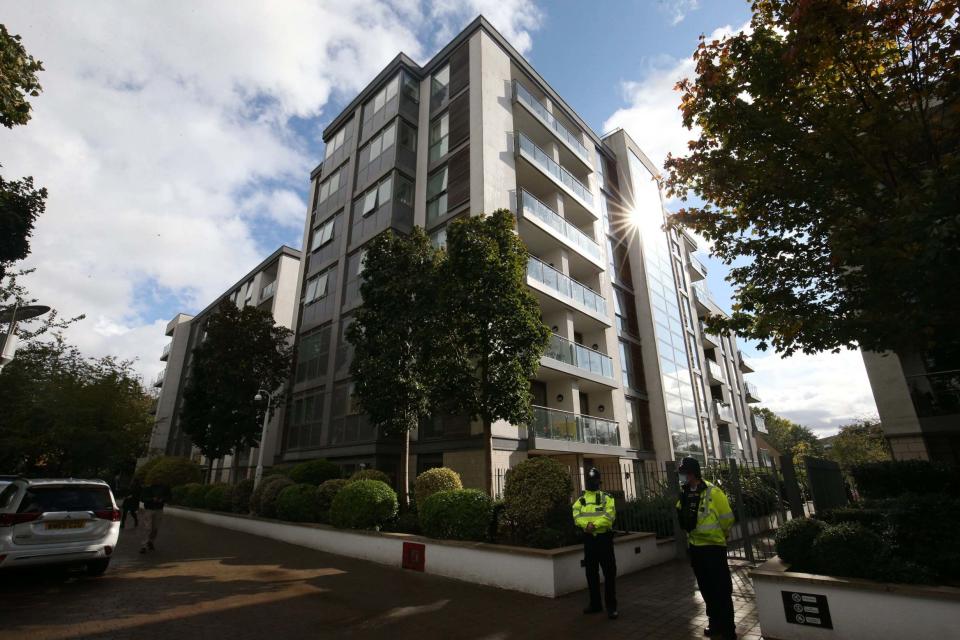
(131, 504)
(154, 498)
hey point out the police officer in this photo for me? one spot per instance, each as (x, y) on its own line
(594, 513)
(705, 515)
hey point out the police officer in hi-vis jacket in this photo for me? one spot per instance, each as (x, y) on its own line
(594, 513)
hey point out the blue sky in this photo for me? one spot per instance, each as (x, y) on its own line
(177, 144)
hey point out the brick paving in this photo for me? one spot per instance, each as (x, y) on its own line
(205, 582)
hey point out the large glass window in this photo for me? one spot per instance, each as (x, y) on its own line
(599, 168)
(388, 92)
(440, 83)
(404, 191)
(329, 186)
(437, 194)
(374, 197)
(439, 135)
(316, 288)
(410, 87)
(312, 355)
(323, 235)
(439, 238)
(335, 142)
(381, 142)
(407, 136)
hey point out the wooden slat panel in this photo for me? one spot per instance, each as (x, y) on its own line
(459, 69)
(458, 179)
(459, 120)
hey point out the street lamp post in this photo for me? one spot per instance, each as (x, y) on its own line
(12, 315)
(263, 434)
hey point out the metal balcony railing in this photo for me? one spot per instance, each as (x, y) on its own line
(539, 157)
(715, 370)
(566, 286)
(579, 356)
(751, 389)
(268, 290)
(555, 424)
(697, 269)
(584, 243)
(166, 352)
(728, 450)
(158, 381)
(759, 424)
(550, 121)
(935, 394)
(724, 412)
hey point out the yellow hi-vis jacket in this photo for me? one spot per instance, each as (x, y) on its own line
(596, 507)
(714, 517)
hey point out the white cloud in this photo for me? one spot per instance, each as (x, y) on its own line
(515, 19)
(677, 10)
(165, 137)
(822, 391)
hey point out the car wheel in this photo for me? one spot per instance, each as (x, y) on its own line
(97, 567)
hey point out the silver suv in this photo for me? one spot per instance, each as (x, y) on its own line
(58, 522)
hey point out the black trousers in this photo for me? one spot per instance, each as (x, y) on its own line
(713, 579)
(597, 554)
(132, 512)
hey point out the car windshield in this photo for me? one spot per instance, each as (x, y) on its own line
(7, 491)
(65, 498)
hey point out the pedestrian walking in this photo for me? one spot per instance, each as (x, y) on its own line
(594, 513)
(705, 514)
(155, 497)
(131, 504)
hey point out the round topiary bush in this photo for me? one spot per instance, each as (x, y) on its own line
(326, 492)
(364, 504)
(849, 550)
(268, 500)
(219, 497)
(435, 480)
(172, 472)
(371, 474)
(298, 503)
(458, 514)
(241, 496)
(195, 495)
(537, 495)
(314, 472)
(142, 471)
(257, 494)
(794, 541)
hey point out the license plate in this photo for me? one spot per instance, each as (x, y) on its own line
(65, 524)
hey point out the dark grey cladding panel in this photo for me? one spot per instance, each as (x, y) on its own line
(366, 227)
(316, 313)
(337, 199)
(328, 253)
(373, 122)
(408, 108)
(341, 154)
(406, 161)
(371, 172)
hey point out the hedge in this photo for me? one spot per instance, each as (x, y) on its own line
(268, 499)
(241, 496)
(848, 550)
(892, 478)
(314, 472)
(433, 481)
(371, 474)
(142, 471)
(457, 514)
(196, 495)
(536, 500)
(794, 541)
(653, 513)
(298, 503)
(364, 504)
(257, 494)
(326, 492)
(171, 471)
(219, 497)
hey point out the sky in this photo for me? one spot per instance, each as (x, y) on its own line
(176, 141)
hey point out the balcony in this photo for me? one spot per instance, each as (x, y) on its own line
(165, 354)
(714, 372)
(751, 391)
(544, 218)
(582, 298)
(744, 365)
(563, 178)
(572, 359)
(153, 406)
(158, 381)
(268, 290)
(935, 394)
(759, 424)
(548, 120)
(709, 340)
(696, 269)
(553, 424)
(728, 450)
(723, 412)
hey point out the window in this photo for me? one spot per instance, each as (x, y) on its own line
(437, 194)
(316, 288)
(353, 402)
(248, 292)
(312, 355)
(439, 135)
(410, 87)
(407, 136)
(374, 197)
(369, 202)
(336, 142)
(323, 235)
(381, 142)
(404, 191)
(440, 83)
(329, 186)
(383, 96)
(439, 238)
(599, 169)
(362, 255)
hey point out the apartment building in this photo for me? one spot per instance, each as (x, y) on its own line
(629, 378)
(272, 286)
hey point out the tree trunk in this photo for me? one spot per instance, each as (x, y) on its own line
(209, 470)
(488, 456)
(404, 488)
(235, 467)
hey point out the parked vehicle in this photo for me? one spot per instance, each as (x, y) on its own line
(70, 521)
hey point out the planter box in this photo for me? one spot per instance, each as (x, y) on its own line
(858, 609)
(542, 572)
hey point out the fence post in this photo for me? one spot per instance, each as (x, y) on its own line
(673, 487)
(793, 488)
(741, 510)
(779, 484)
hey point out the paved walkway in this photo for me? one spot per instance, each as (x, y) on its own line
(209, 582)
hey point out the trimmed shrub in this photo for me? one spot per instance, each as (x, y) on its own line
(795, 540)
(219, 497)
(326, 492)
(142, 471)
(371, 474)
(537, 496)
(172, 472)
(298, 503)
(241, 496)
(364, 504)
(178, 495)
(433, 481)
(196, 495)
(849, 550)
(892, 478)
(458, 514)
(257, 494)
(282, 470)
(268, 500)
(917, 526)
(653, 513)
(872, 519)
(314, 472)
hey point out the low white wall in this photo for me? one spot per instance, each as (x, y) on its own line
(859, 609)
(541, 572)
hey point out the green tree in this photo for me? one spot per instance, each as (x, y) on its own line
(827, 156)
(20, 203)
(65, 414)
(391, 334)
(786, 436)
(243, 351)
(489, 337)
(859, 443)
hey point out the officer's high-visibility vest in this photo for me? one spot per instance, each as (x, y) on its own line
(596, 507)
(714, 517)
